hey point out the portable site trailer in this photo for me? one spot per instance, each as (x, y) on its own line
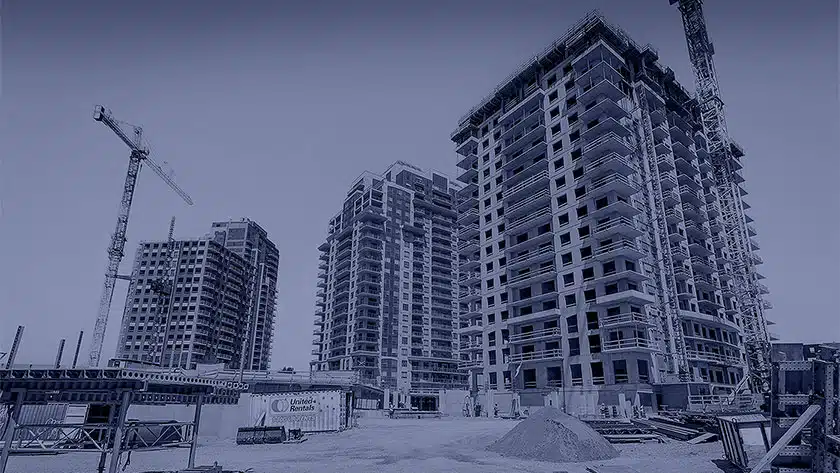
(309, 411)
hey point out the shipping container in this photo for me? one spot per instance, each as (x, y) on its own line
(309, 411)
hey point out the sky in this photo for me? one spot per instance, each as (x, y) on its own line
(269, 110)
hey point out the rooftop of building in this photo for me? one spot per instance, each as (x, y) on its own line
(572, 42)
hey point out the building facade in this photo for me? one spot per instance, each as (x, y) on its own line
(250, 241)
(203, 317)
(592, 251)
(388, 281)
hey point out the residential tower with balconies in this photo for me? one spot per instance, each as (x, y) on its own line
(591, 253)
(388, 283)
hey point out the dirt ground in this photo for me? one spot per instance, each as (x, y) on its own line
(394, 446)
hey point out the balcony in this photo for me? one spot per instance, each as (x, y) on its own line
(541, 355)
(471, 328)
(627, 344)
(617, 226)
(527, 204)
(711, 357)
(469, 174)
(704, 282)
(468, 161)
(537, 181)
(662, 146)
(678, 135)
(471, 346)
(529, 220)
(612, 163)
(628, 296)
(469, 277)
(470, 295)
(621, 207)
(470, 364)
(523, 143)
(532, 336)
(510, 118)
(600, 80)
(690, 195)
(668, 180)
(691, 182)
(695, 230)
(623, 248)
(468, 264)
(606, 125)
(626, 319)
(610, 183)
(467, 146)
(532, 256)
(470, 216)
(467, 232)
(694, 212)
(685, 161)
(713, 320)
(524, 121)
(665, 162)
(605, 107)
(702, 264)
(670, 198)
(605, 144)
(527, 277)
(660, 131)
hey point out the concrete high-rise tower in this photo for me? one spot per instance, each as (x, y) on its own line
(250, 241)
(388, 282)
(207, 309)
(592, 256)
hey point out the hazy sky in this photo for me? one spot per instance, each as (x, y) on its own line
(269, 110)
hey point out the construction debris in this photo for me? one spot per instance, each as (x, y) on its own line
(551, 435)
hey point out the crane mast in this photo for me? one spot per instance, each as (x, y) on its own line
(726, 162)
(163, 287)
(116, 250)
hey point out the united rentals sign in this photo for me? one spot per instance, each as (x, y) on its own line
(302, 404)
(315, 411)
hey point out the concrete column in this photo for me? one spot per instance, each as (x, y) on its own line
(118, 432)
(9, 430)
(194, 443)
(386, 399)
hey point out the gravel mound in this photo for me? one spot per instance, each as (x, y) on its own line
(551, 435)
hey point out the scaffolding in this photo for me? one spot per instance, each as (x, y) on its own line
(108, 393)
(726, 156)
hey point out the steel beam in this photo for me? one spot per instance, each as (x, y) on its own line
(794, 430)
(194, 443)
(9, 431)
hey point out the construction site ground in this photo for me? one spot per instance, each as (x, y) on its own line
(397, 445)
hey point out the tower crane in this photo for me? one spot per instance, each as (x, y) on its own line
(725, 155)
(163, 287)
(139, 155)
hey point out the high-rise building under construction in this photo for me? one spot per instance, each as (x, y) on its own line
(201, 317)
(250, 241)
(388, 281)
(593, 253)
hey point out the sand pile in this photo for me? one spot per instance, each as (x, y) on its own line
(551, 435)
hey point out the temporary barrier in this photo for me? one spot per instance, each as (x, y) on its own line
(309, 411)
(737, 431)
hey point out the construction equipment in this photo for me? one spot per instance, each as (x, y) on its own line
(139, 155)
(163, 287)
(725, 157)
(661, 249)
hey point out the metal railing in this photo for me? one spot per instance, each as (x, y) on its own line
(526, 336)
(555, 353)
